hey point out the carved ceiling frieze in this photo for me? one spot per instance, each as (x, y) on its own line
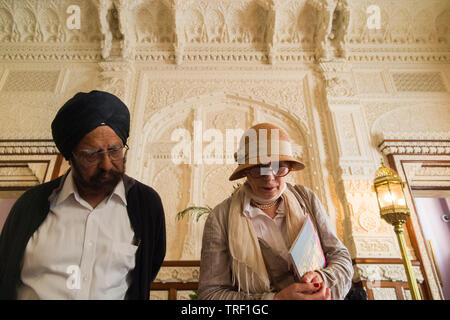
(195, 31)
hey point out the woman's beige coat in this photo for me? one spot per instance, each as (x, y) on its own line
(215, 266)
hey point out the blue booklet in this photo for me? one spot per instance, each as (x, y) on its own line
(306, 253)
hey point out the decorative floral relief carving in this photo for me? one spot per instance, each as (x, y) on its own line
(376, 247)
(339, 87)
(364, 208)
(115, 77)
(384, 272)
(413, 122)
(418, 82)
(159, 295)
(285, 94)
(424, 147)
(27, 147)
(384, 294)
(38, 21)
(270, 32)
(417, 23)
(178, 274)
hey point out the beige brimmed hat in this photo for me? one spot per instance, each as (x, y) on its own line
(261, 144)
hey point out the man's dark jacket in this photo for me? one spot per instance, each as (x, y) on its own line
(146, 215)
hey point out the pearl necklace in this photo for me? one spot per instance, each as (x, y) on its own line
(264, 206)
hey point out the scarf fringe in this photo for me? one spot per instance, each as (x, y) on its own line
(243, 273)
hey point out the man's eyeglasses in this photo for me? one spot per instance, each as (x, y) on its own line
(261, 171)
(94, 156)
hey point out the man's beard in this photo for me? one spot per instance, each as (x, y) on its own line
(102, 182)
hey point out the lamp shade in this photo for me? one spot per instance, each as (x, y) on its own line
(391, 198)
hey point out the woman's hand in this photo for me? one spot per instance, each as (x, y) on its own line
(304, 291)
(311, 277)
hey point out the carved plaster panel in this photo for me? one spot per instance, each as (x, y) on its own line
(372, 236)
(384, 272)
(175, 197)
(377, 246)
(197, 31)
(115, 78)
(159, 295)
(45, 21)
(178, 274)
(416, 122)
(418, 82)
(423, 147)
(42, 92)
(285, 94)
(419, 22)
(384, 294)
(17, 175)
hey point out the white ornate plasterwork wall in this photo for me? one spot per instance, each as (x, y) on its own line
(221, 100)
(311, 66)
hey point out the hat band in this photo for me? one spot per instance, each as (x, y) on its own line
(277, 148)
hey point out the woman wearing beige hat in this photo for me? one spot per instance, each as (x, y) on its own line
(247, 237)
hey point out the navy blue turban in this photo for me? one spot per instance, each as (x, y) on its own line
(85, 112)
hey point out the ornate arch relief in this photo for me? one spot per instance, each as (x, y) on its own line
(205, 100)
(284, 95)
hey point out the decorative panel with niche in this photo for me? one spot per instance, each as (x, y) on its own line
(203, 180)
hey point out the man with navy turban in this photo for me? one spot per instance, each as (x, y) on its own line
(94, 233)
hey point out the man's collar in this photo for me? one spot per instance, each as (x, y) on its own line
(65, 189)
(119, 190)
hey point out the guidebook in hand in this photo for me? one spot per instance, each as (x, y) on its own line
(306, 253)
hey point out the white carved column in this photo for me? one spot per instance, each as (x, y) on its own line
(354, 166)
